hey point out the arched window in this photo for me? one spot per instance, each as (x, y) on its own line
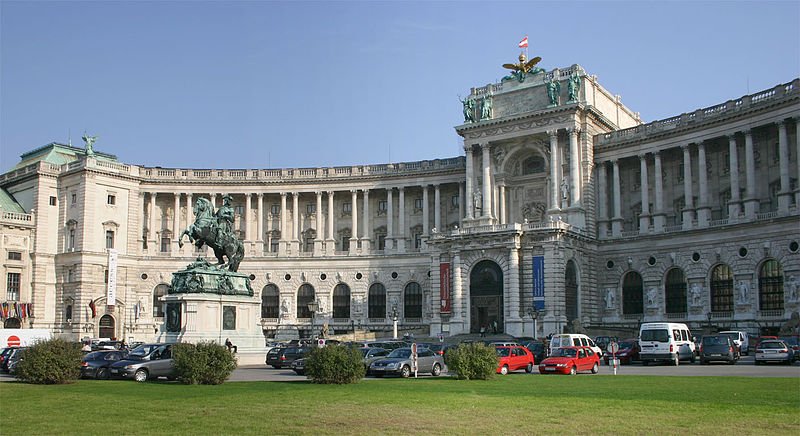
(269, 302)
(341, 301)
(412, 301)
(675, 291)
(158, 306)
(107, 327)
(722, 289)
(770, 286)
(533, 165)
(571, 291)
(68, 313)
(377, 301)
(305, 295)
(632, 291)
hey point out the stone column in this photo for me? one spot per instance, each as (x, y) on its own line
(354, 221)
(502, 204)
(512, 291)
(555, 203)
(797, 153)
(659, 218)
(461, 205)
(283, 242)
(469, 180)
(487, 185)
(401, 220)
(365, 241)
(295, 223)
(330, 243)
(688, 210)
(734, 204)
(319, 226)
(152, 231)
(260, 223)
(458, 288)
(785, 194)
(248, 220)
(426, 217)
(189, 210)
(574, 168)
(437, 208)
(389, 220)
(751, 196)
(616, 220)
(176, 221)
(602, 200)
(644, 218)
(703, 209)
(213, 199)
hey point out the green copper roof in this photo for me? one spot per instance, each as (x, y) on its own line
(59, 154)
(8, 204)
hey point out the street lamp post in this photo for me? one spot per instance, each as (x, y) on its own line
(394, 321)
(709, 315)
(313, 307)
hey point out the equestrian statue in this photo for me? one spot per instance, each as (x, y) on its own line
(215, 230)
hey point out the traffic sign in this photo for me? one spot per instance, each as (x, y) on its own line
(613, 347)
(13, 341)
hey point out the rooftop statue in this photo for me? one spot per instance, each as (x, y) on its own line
(553, 91)
(469, 109)
(573, 86)
(214, 230)
(523, 68)
(89, 140)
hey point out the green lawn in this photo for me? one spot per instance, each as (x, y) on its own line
(516, 403)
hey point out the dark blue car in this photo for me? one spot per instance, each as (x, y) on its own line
(96, 364)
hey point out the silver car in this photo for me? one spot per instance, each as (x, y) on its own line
(147, 361)
(774, 351)
(399, 362)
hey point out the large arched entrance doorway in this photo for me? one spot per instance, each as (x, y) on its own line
(486, 297)
(12, 323)
(107, 327)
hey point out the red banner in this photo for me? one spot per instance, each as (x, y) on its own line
(444, 287)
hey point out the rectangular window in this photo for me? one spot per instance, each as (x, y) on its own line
(109, 239)
(311, 208)
(381, 241)
(309, 244)
(239, 210)
(112, 199)
(275, 209)
(52, 201)
(14, 255)
(346, 243)
(70, 275)
(74, 198)
(71, 240)
(382, 206)
(417, 240)
(418, 203)
(454, 201)
(273, 245)
(347, 208)
(12, 286)
(165, 245)
(105, 276)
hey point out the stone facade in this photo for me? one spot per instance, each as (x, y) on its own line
(628, 228)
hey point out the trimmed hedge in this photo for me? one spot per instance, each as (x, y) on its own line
(204, 363)
(474, 361)
(335, 364)
(54, 361)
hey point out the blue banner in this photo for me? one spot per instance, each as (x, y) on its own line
(538, 282)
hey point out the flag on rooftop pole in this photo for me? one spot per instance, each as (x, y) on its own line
(524, 42)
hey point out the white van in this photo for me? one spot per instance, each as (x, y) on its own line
(573, 340)
(665, 341)
(741, 339)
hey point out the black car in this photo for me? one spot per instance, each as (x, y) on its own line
(299, 366)
(15, 358)
(718, 348)
(282, 357)
(97, 363)
(6, 356)
(536, 348)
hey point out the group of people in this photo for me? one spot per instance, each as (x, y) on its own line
(485, 328)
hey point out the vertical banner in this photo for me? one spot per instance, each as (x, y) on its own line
(538, 282)
(444, 287)
(111, 292)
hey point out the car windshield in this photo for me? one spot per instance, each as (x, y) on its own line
(93, 356)
(714, 340)
(364, 352)
(733, 336)
(143, 350)
(503, 352)
(402, 353)
(773, 345)
(625, 345)
(655, 335)
(565, 352)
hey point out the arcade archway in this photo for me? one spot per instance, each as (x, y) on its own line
(486, 297)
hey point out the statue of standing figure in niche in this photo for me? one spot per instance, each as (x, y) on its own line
(486, 108)
(477, 200)
(652, 293)
(565, 189)
(553, 91)
(89, 140)
(696, 292)
(469, 109)
(573, 86)
(744, 289)
(610, 298)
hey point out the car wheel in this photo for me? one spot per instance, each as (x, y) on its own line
(573, 370)
(102, 374)
(504, 370)
(645, 362)
(437, 369)
(529, 368)
(676, 361)
(595, 368)
(140, 375)
(405, 372)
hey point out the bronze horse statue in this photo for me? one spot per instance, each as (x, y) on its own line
(207, 230)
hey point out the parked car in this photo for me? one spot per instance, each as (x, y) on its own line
(537, 348)
(740, 339)
(603, 341)
(97, 364)
(8, 353)
(440, 348)
(512, 358)
(283, 357)
(371, 354)
(570, 360)
(774, 351)
(716, 348)
(573, 340)
(627, 353)
(147, 361)
(299, 366)
(108, 345)
(793, 342)
(15, 358)
(398, 362)
(667, 342)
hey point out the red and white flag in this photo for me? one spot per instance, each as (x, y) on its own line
(524, 43)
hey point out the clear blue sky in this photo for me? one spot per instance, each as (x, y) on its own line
(261, 84)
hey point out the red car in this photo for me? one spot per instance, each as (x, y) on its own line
(512, 358)
(570, 360)
(627, 353)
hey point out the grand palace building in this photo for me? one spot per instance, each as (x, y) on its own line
(565, 212)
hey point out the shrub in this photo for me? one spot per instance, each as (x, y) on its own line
(53, 361)
(204, 363)
(335, 365)
(474, 361)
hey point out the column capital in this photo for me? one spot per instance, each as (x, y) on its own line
(284, 194)
(573, 131)
(781, 123)
(330, 193)
(260, 195)
(486, 147)
(731, 136)
(642, 156)
(685, 147)
(295, 194)
(354, 191)
(747, 132)
(467, 148)
(552, 133)
(401, 188)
